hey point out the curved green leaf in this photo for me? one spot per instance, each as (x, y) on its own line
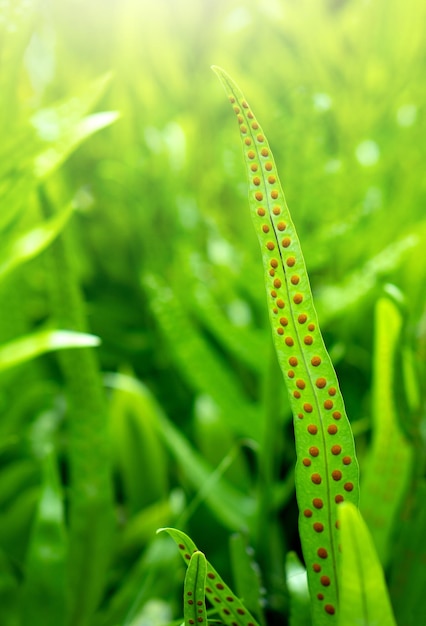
(364, 598)
(194, 591)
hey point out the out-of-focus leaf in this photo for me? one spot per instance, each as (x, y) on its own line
(246, 574)
(30, 244)
(45, 587)
(229, 505)
(28, 347)
(388, 468)
(49, 160)
(363, 594)
(297, 584)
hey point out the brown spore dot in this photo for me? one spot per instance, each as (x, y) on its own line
(220, 586)
(336, 449)
(274, 310)
(291, 261)
(250, 115)
(289, 341)
(254, 167)
(302, 318)
(216, 599)
(260, 138)
(199, 603)
(298, 298)
(328, 404)
(280, 331)
(274, 263)
(189, 593)
(280, 303)
(295, 280)
(244, 104)
(322, 553)
(296, 394)
(230, 598)
(329, 608)
(247, 141)
(316, 479)
(320, 596)
(332, 391)
(240, 119)
(308, 340)
(187, 557)
(300, 416)
(286, 242)
(227, 611)
(300, 383)
(307, 463)
(210, 575)
(277, 283)
(318, 503)
(332, 429)
(315, 361)
(255, 126)
(318, 527)
(256, 181)
(274, 194)
(348, 486)
(290, 374)
(338, 499)
(312, 429)
(191, 621)
(276, 211)
(307, 513)
(243, 129)
(181, 546)
(325, 581)
(273, 293)
(284, 322)
(307, 407)
(261, 211)
(264, 152)
(313, 451)
(311, 327)
(316, 567)
(293, 361)
(272, 180)
(241, 612)
(281, 226)
(270, 245)
(265, 228)
(347, 460)
(208, 590)
(337, 415)
(336, 474)
(271, 272)
(231, 99)
(268, 166)
(258, 195)
(337, 524)
(251, 154)
(236, 109)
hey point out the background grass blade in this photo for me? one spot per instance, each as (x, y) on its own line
(327, 469)
(363, 595)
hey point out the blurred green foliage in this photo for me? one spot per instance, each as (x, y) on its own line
(115, 146)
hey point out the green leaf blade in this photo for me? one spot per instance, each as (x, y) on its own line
(364, 598)
(194, 593)
(327, 469)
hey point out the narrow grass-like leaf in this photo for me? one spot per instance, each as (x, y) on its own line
(28, 347)
(28, 245)
(246, 574)
(231, 610)
(194, 591)
(326, 470)
(45, 588)
(230, 506)
(363, 595)
(388, 468)
(297, 584)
